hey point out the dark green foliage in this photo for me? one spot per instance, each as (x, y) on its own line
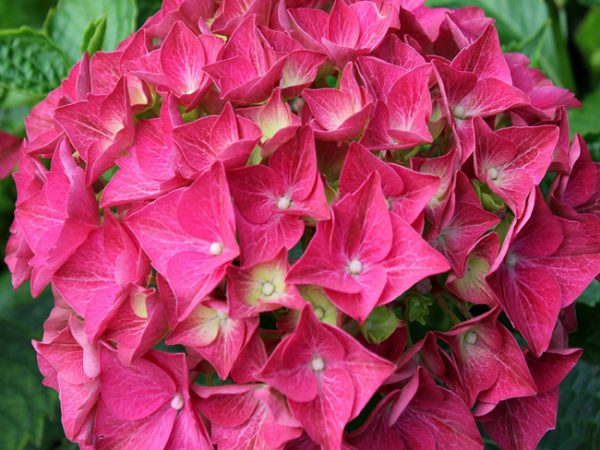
(578, 426)
(25, 405)
(30, 62)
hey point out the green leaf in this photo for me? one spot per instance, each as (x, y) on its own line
(30, 62)
(93, 37)
(586, 120)
(578, 424)
(14, 14)
(25, 405)
(12, 120)
(24, 402)
(522, 25)
(590, 2)
(14, 107)
(146, 9)
(18, 306)
(380, 325)
(67, 24)
(591, 296)
(418, 307)
(594, 148)
(587, 38)
(587, 335)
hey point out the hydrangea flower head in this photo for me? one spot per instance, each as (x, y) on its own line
(301, 225)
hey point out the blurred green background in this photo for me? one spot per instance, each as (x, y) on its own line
(41, 39)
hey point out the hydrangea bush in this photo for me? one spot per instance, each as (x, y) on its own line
(297, 225)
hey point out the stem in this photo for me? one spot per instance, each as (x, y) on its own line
(409, 339)
(444, 306)
(463, 309)
(462, 306)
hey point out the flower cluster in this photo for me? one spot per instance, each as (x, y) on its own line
(298, 225)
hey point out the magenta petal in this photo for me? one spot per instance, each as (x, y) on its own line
(151, 432)
(9, 153)
(484, 58)
(359, 305)
(173, 231)
(520, 423)
(57, 218)
(410, 260)
(490, 97)
(409, 104)
(182, 58)
(325, 417)
(188, 432)
(422, 415)
(289, 368)
(531, 299)
(321, 267)
(213, 334)
(97, 275)
(136, 391)
(366, 370)
(491, 364)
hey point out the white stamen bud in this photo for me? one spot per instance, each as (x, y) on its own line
(493, 173)
(471, 338)
(216, 248)
(460, 112)
(177, 402)
(283, 203)
(317, 364)
(355, 267)
(268, 289)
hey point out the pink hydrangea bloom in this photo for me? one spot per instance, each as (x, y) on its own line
(244, 210)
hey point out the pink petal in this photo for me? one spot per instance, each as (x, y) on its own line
(484, 58)
(134, 392)
(178, 236)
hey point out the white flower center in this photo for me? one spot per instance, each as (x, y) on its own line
(493, 173)
(460, 112)
(216, 248)
(268, 289)
(317, 364)
(471, 338)
(355, 267)
(283, 203)
(177, 402)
